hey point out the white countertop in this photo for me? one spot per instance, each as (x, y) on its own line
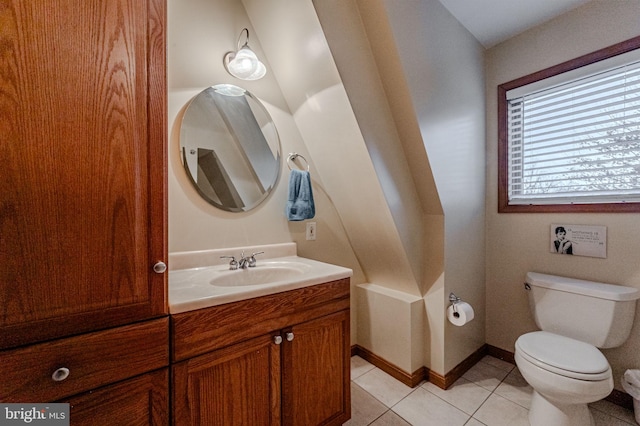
(210, 285)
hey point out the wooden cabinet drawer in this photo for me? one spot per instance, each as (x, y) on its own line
(93, 360)
(204, 330)
(143, 401)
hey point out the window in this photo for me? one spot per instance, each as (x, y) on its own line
(569, 136)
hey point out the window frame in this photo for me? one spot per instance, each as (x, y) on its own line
(503, 153)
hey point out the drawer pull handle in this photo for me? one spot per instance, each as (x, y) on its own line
(289, 337)
(60, 374)
(159, 267)
(277, 339)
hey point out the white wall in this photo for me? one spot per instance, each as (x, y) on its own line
(304, 94)
(517, 243)
(415, 79)
(200, 33)
(380, 210)
(295, 43)
(444, 69)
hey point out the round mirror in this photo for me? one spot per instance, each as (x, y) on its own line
(230, 148)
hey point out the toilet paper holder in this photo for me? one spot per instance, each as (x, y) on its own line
(459, 312)
(454, 301)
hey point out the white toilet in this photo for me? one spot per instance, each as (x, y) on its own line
(562, 363)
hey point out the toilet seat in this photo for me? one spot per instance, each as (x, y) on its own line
(564, 356)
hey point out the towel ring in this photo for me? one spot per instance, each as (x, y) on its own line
(292, 156)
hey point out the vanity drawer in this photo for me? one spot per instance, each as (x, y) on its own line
(92, 359)
(204, 330)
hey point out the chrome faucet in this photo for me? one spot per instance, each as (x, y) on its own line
(233, 264)
(252, 259)
(249, 261)
(244, 262)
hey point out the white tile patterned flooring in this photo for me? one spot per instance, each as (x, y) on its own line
(491, 393)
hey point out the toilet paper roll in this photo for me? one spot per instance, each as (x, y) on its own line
(461, 315)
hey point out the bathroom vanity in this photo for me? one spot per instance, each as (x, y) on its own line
(280, 358)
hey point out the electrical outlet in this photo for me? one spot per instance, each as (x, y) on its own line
(311, 230)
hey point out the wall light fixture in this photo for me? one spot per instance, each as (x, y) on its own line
(244, 64)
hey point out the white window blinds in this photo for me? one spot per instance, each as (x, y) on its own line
(577, 141)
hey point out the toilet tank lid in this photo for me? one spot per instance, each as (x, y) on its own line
(588, 288)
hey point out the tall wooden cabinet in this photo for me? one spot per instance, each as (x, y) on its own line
(82, 131)
(82, 186)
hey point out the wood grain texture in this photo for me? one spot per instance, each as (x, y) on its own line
(141, 401)
(82, 196)
(239, 375)
(204, 330)
(158, 157)
(409, 379)
(238, 385)
(316, 372)
(94, 359)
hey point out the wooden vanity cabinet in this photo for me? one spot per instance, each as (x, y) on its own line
(281, 359)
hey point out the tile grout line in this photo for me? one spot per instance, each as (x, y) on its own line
(491, 393)
(471, 416)
(509, 372)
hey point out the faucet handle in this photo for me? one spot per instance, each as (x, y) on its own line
(252, 259)
(233, 264)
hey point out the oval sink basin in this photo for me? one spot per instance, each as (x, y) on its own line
(210, 285)
(263, 274)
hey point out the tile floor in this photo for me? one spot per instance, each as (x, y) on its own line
(492, 393)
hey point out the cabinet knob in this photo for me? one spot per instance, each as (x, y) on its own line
(60, 374)
(160, 267)
(289, 336)
(277, 339)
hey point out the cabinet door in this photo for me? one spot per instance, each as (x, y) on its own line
(82, 186)
(316, 382)
(141, 401)
(237, 385)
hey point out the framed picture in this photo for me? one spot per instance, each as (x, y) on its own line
(578, 240)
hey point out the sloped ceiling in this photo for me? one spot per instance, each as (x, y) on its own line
(494, 21)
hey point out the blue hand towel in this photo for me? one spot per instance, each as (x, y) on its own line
(300, 205)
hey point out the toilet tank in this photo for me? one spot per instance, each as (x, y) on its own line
(596, 313)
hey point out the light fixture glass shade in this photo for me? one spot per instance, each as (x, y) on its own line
(244, 64)
(260, 72)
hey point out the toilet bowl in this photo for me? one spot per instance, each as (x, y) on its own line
(566, 375)
(562, 362)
